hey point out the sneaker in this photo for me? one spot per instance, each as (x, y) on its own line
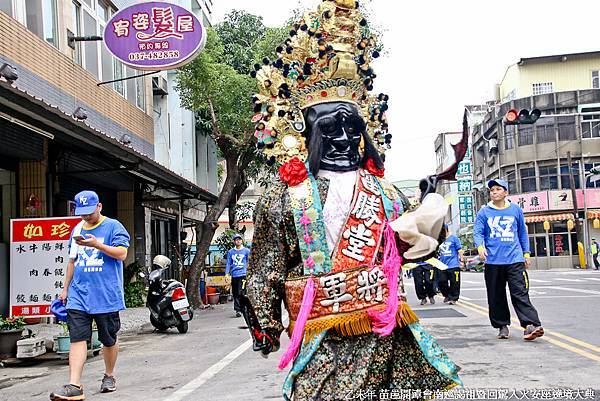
(109, 384)
(446, 300)
(424, 301)
(238, 314)
(432, 300)
(503, 333)
(532, 332)
(451, 302)
(68, 392)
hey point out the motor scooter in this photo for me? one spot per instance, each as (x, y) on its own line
(167, 300)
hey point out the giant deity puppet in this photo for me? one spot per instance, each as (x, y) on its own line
(331, 233)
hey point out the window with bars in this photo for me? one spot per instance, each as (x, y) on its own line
(509, 137)
(528, 179)
(590, 126)
(525, 136)
(564, 175)
(595, 80)
(588, 181)
(545, 133)
(566, 129)
(542, 87)
(511, 179)
(548, 178)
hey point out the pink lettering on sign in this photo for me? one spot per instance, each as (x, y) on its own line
(153, 35)
(121, 27)
(185, 23)
(141, 21)
(531, 201)
(164, 26)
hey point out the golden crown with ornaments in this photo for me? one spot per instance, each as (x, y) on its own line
(326, 59)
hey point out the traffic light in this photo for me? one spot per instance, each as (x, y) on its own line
(512, 117)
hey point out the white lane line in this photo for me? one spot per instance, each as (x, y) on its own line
(471, 282)
(575, 290)
(209, 373)
(535, 280)
(573, 280)
(541, 297)
(466, 298)
(592, 278)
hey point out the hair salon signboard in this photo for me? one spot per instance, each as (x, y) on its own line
(154, 36)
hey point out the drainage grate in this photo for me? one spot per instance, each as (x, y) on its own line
(437, 313)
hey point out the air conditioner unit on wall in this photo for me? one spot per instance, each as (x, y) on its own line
(159, 86)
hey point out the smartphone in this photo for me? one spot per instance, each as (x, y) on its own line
(78, 237)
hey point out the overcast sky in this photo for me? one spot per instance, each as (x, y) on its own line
(442, 55)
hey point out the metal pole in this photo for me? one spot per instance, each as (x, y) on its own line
(578, 225)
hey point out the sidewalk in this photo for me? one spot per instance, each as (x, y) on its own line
(132, 321)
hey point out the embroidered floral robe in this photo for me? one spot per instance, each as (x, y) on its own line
(334, 367)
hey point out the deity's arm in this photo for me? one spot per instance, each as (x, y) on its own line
(269, 259)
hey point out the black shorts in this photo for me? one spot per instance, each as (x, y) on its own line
(80, 326)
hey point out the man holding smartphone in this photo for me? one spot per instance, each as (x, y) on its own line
(93, 291)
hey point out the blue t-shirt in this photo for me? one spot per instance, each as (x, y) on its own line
(503, 233)
(448, 252)
(97, 285)
(237, 261)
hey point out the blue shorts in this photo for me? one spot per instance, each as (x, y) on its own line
(80, 326)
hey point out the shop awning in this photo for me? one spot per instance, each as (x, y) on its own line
(39, 114)
(548, 217)
(593, 214)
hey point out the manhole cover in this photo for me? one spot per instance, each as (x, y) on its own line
(437, 313)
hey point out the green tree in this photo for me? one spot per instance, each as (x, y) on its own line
(216, 86)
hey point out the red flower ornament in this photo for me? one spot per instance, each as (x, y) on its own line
(293, 172)
(372, 168)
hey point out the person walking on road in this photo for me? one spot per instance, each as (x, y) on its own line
(501, 239)
(450, 254)
(93, 291)
(595, 253)
(237, 262)
(424, 275)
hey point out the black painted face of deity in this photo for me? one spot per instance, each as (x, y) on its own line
(334, 132)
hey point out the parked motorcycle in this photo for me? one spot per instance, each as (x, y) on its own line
(167, 300)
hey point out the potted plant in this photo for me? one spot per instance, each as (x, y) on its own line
(63, 340)
(11, 330)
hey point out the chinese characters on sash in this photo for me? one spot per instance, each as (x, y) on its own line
(367, 285)
(363, 229)
(38, 259)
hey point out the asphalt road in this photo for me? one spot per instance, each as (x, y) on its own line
(213, 361)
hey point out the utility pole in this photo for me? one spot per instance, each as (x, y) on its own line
(578, 226)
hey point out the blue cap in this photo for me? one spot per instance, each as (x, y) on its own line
(86, 202)
(236, 236)
(497, 181)
(59, 310)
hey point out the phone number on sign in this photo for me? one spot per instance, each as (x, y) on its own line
(158, 55)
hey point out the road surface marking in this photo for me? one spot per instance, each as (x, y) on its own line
(471, 282)
(592, 292)
(466, 298)
(592, 278)
(534, 280)
(209, 373)
(484, 311)
(573, 280)
(540, 297)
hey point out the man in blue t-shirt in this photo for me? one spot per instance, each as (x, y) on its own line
(501, 238)
(237, 262)
(450, 254)
(93, 291)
